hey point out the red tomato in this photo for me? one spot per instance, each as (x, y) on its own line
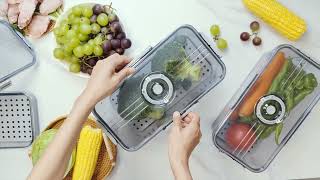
(240, 136)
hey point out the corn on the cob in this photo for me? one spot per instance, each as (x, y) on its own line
(87, 153)
(278, 16)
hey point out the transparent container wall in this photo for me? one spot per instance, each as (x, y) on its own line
(264, 146)
(15, 53)
(128, 105)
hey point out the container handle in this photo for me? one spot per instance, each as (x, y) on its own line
(139, 57)
(5, 85)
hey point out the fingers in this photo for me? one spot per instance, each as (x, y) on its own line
(186, 120)
(121, 66)
(195, 118)
(121, 75)
(116, 60)
(177, 119)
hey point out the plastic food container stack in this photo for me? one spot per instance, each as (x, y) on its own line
(269, 107)
(172, 76)
(18, 110)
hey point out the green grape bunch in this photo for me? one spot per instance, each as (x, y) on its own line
(87, 34)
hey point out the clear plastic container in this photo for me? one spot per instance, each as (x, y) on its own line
(18, 110)
(271, 104)
(172, 76)
(16, 53)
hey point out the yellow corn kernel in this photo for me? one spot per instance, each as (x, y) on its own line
(279, 17)
(87, 153)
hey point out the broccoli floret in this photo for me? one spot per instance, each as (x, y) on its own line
(152, 112)
(182, 70)
(156, 113)
(177, 69)
(172, 66)
(171, 51)
(195, 73)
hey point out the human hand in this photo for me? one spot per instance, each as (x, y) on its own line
(184, 137)
(106, 76)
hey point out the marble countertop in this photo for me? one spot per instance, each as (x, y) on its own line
(147, 22)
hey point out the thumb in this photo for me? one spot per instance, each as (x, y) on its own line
(125, 72)
(177, 119)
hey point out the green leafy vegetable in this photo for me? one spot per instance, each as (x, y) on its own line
(247, 120)
(42, 142)
(267, 131)
(278, 131)
(154, 112)
(276, 82)
(293, 85)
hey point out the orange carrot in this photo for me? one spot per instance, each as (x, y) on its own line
(262, 85)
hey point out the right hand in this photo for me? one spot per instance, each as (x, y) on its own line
(184, 137)
(106, 76)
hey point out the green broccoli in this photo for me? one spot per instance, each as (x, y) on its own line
(153, 112)
(195, 73)
(170, 51)
(182, 70)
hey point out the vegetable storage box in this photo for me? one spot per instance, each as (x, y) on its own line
(170, 77)
(273, 101)
(18, 110)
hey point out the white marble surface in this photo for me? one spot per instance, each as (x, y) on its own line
(147, 22)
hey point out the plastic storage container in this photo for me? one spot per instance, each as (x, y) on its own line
(273, 101)
(16, 52)
(170, 77)
(18, 110)
(18, 119)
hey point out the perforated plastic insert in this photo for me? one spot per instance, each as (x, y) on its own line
(15, 120)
